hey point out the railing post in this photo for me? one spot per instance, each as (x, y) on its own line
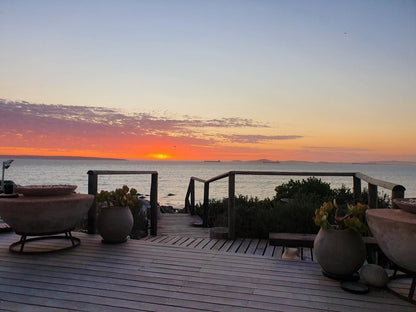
(372, 195)
(153, 205)
(356, 189)
(187, 202)
(92, 213)
(231, 206)
(206, 204)
(192, 186)
(397, 192)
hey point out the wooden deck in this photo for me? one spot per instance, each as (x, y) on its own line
(140, 275)
(180, 224)
(178, 230)
(259, 247)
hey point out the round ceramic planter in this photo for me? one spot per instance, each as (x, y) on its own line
(114, 224)
(340, 253)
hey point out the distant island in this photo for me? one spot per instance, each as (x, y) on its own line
(267, 161)
(56, 157)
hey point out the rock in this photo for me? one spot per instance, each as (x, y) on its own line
(374, 275)
(140, 217)
(290, 254)
(167, 209)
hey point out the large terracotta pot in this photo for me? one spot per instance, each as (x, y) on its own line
(340, 253)
(114, 224)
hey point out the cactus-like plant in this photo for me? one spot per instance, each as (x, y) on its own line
(352, 220)
(121, 197)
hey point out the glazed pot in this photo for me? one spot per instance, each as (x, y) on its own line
(114, 224)
(340, 253)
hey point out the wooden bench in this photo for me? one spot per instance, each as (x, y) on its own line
(299, 240)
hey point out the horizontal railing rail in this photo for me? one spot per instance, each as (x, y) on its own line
(93, 188)
(397, 191)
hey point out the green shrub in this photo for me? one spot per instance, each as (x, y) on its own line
(256, 218)
(295, 216)
(310, 186)
(217, 212)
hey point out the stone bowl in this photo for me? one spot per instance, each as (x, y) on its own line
(395, 232)
(45, 215)
(406, 204)
(46, 190)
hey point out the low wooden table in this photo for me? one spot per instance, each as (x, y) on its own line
(300, 240)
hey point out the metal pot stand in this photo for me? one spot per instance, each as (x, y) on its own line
(405, 274)
(24, 241)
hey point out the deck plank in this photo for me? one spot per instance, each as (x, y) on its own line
(252, 246)
(195, 243)
(203, 243)
(219, 244)
(268, 250)
(261, 247)
(244, 246)
(236, 245)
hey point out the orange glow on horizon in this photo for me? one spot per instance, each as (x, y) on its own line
(159, 156)
(173, 149)
(197, 154)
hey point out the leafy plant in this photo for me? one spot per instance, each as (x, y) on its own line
(121, 197)
(353, 220)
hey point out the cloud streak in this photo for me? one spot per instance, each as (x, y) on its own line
(60, 127)
(333, 149)
(250, 139)
(104, 117)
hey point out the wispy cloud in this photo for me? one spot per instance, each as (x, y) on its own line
(335, 149)
(96, 120)
(250, 139)
(23, 124)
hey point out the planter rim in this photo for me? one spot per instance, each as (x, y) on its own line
(339, 230)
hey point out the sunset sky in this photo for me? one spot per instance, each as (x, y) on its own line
(207, 80)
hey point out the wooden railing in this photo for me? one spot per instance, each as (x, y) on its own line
(93, 187)
(397, 191)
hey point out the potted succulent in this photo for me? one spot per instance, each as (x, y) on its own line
(115, 220)
(339, 247)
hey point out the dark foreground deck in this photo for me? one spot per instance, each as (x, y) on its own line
(142, 276)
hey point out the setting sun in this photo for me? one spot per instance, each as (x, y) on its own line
(159, 156)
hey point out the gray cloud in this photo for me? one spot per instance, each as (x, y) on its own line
(23, 118)
(69, 116)
(238, 138)
(336, 149)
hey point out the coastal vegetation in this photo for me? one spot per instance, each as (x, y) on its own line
(291, 210)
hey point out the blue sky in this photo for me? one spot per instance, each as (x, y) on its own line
(326, 71)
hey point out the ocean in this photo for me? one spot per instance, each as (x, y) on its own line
(174, 176)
